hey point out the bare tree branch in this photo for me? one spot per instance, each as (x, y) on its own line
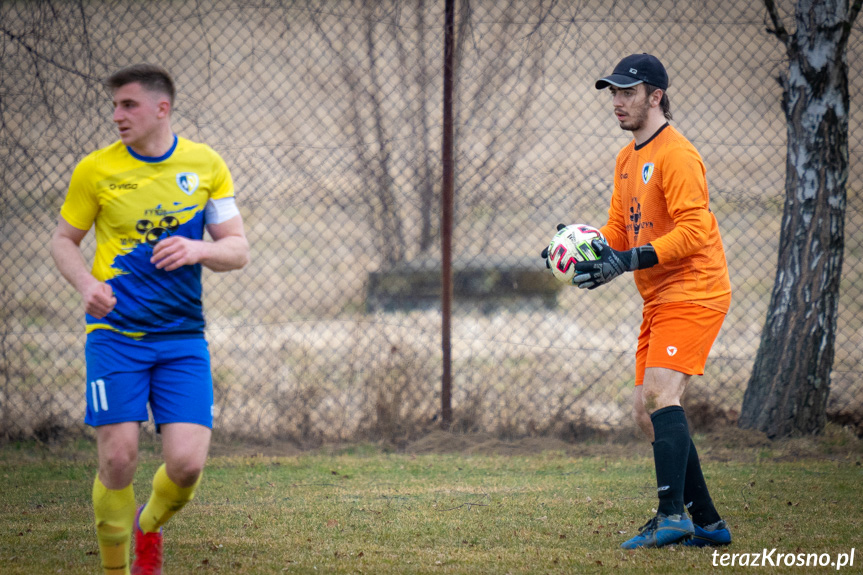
(853, 12)
(778, 28)
(20, 41)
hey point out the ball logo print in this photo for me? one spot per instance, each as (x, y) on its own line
(170, 223)
(143, 226)
(153, 233)
(569, 246)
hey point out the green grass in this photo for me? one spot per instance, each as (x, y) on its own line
(366, 509)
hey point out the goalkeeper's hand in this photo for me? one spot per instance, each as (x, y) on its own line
(611, 263)
(544, 253)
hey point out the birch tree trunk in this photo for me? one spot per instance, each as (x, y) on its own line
(790, 382)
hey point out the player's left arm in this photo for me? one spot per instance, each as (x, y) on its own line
(228, 251)
(687, 200)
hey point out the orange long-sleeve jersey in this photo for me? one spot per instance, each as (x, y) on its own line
(660, 197)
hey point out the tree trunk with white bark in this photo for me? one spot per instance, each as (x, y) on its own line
(790, 383)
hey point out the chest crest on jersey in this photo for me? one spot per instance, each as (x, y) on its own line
(646, 172)
(188, 182)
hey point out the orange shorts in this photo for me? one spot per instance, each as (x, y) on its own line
(676, 336)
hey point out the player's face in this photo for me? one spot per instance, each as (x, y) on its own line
(631, 106)
(139, 114)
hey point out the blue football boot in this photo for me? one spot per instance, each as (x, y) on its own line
(713, 535)
(662, 530)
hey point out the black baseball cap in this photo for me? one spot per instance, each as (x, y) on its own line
(634, 70)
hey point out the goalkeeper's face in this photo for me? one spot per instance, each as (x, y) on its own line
(631, 107)
(139, 114)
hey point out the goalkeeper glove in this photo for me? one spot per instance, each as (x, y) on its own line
(612, 263)
(544, 253)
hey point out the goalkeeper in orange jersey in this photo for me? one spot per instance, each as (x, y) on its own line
(150, 196)
(660, 227)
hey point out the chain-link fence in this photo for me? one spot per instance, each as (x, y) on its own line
(328, 113)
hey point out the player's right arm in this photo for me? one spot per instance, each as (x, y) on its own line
(98, 296)
(615, 228)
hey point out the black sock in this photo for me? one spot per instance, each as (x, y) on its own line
(695, 493)
(670, 456)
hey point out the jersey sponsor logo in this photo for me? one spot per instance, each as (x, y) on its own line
(671, 350)
(635, 216)
(152, 232)
(122, 186)
(188, 182)
(636, 221)
(646, 172)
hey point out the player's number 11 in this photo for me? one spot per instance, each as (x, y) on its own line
(100, 399)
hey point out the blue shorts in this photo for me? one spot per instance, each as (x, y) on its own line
(124, 374)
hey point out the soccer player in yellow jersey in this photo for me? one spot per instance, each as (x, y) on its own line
(661, 228)
(150, 196)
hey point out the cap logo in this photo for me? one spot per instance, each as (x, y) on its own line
(633, 71)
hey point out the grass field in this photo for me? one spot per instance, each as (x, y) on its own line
(447, 503)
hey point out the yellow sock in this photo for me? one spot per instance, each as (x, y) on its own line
(114, 510)
(166, 499)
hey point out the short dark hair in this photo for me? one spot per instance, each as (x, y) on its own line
(664, 103)
(151, 76)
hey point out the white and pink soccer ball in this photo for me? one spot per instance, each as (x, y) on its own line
(569, 246)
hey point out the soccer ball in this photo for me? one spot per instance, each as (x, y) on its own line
(570, 245)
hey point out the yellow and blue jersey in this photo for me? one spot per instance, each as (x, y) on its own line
(135, 201)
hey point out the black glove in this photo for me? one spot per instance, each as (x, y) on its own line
(612, 263)
(544, 253)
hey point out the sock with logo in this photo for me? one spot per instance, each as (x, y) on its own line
(695, 493)
(114, 511)
(670, 455)
(166, 499)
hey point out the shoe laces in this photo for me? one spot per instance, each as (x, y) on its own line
(650, 525)
(719, 525)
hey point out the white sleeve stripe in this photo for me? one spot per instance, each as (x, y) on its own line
(221, 210)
